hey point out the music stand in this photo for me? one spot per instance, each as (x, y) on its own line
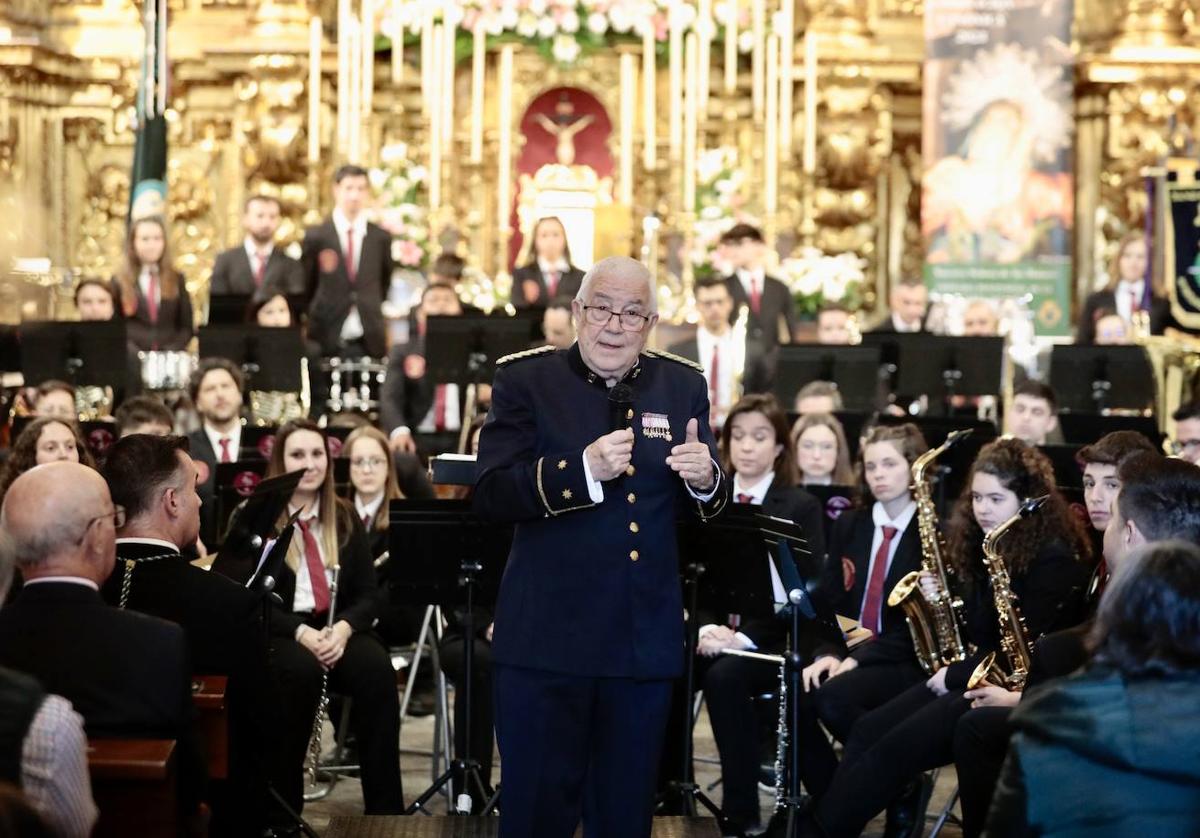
(1086, 428)
(854, 369)
(465, 348)
(10, 349)
(1093, 379)
(269, 357)
(452, 559)
(87, 353)
(1068, 472)
(228, 309)
(940, 366)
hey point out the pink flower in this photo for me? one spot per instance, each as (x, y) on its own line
(410, 254)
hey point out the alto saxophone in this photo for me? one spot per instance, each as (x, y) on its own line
(1014, 636)
(314, 741)
(933, 623)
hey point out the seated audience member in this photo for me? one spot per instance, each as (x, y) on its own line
(57, 399)
(44, 750)
(154, 479)
(153, 294)
(1187, 431)
(835, 325)
(980, 320)
(908, 303)
(714, 347)
(1111, 329)
(144, 415)
(125, 673)
(44, 440)
(329, 535)
(818, 397)
(549, 274)
(216, 390)
(822, 456)
(1111, 750)
(1033, 414)
(94, 299)
(557, 325)
(413, 407)
(1125, 293)
(257, 266)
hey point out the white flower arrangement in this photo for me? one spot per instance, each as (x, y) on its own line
(400, 186)
(816, 279)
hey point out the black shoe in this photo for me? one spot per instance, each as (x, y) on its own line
(422, 704)
(906, 814)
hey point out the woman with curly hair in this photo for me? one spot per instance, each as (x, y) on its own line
(914, 732)
(47, 439)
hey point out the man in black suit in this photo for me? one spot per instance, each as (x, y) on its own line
(714, 347)
(414, 407)
(772, 314)
(216, 389)
(348, 271)
(154, 479)
(257, 267)
(909, 303)
(127, 674)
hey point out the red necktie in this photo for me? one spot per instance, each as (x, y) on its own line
(367, 522)
(714, 385)
(872, 611)
(755, 296)
(351, 268)
(261, 273)
(152, 296)
(316, 568)
(1135, 302)
(742, 497)
(439, 407)
(552, 278)
(225, 457)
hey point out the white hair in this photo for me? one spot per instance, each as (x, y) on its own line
(622, 268)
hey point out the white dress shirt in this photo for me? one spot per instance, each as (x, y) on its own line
(904, 328)
(303, 601)
(1124, 294)
(744, 276)
(253, 250)
(453, 418)
(144, 285)
(367, 510)
(54, 771)
(900, 522)
(234, 437)
(74, 580)
(352, 328)
(725, 345)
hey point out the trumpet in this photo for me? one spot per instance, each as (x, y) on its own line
(314, 741)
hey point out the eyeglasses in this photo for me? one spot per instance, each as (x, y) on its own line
(117, 515)
(630, 321)
(368, 462)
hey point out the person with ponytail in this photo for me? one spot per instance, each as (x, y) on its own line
(153, 296)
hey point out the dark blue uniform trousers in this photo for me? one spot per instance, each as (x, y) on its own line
(574, 747)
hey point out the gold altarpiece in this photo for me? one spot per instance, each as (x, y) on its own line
(68, 73)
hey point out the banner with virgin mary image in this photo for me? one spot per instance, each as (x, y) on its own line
(997, 192)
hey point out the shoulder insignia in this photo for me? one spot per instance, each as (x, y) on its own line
(527, 353)
(668, 356)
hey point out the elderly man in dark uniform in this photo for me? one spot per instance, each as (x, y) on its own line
(592, 451)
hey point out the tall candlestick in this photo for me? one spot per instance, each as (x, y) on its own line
(397, 41)
(450, 32)
(478, 70)
(675, 85)
(690, 124)
(314, 89)
(704, 28)
(731, 46)
(786, 76)
(437, 41)
(343, 75)
(628, 112)
(368, 57)
(758, 23)
(810, 103)
(355, 91)
(771, 134)
(649, 97)
(504, 152)
(427, 59)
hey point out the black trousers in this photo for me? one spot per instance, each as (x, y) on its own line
(913, 732)
(479, 723)
(980, 745)
(298, 680)
(577, 747)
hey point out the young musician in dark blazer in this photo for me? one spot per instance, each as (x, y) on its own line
(908, 306)
(549, 274)
(1126, 292)
(153, 295)
(766, 298)
(329, 535)
(256, 266)
(348, 271)
(914, 732)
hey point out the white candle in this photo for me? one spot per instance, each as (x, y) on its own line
(343, 75)
(448, 92)
(649, 98)
(368, 58)
(478, 70)
(757, 64)
(504, 150)
(675, 85)
(314, 89)
(704, 27)
(731, 47)
(771, 134)
(786, 77)
(810, 103)
(427, 60)
(628, 112)
(397, 42)
(689, 128)
(436, 44)
(355, 92)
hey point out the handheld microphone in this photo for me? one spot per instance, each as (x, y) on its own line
(620, 406)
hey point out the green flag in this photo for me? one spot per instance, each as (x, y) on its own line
(148, 180)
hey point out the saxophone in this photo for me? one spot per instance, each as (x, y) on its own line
(314, 741)
(1014, 636)
(934, 624)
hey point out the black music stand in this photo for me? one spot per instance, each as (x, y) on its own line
(854, 369)
(465, 348)
(443, 554)
(940, 366)
(269, 357)
(10, 349)
(1086, 428)
(85, 353)
(228, 309)
(1094, 379)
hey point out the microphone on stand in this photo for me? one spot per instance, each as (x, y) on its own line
(620, 406)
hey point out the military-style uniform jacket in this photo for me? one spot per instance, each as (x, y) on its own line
(591, 589)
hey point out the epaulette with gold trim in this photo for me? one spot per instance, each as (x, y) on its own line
(525, 353)
(668, 356)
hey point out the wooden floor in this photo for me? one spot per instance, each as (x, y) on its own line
(450, 827)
